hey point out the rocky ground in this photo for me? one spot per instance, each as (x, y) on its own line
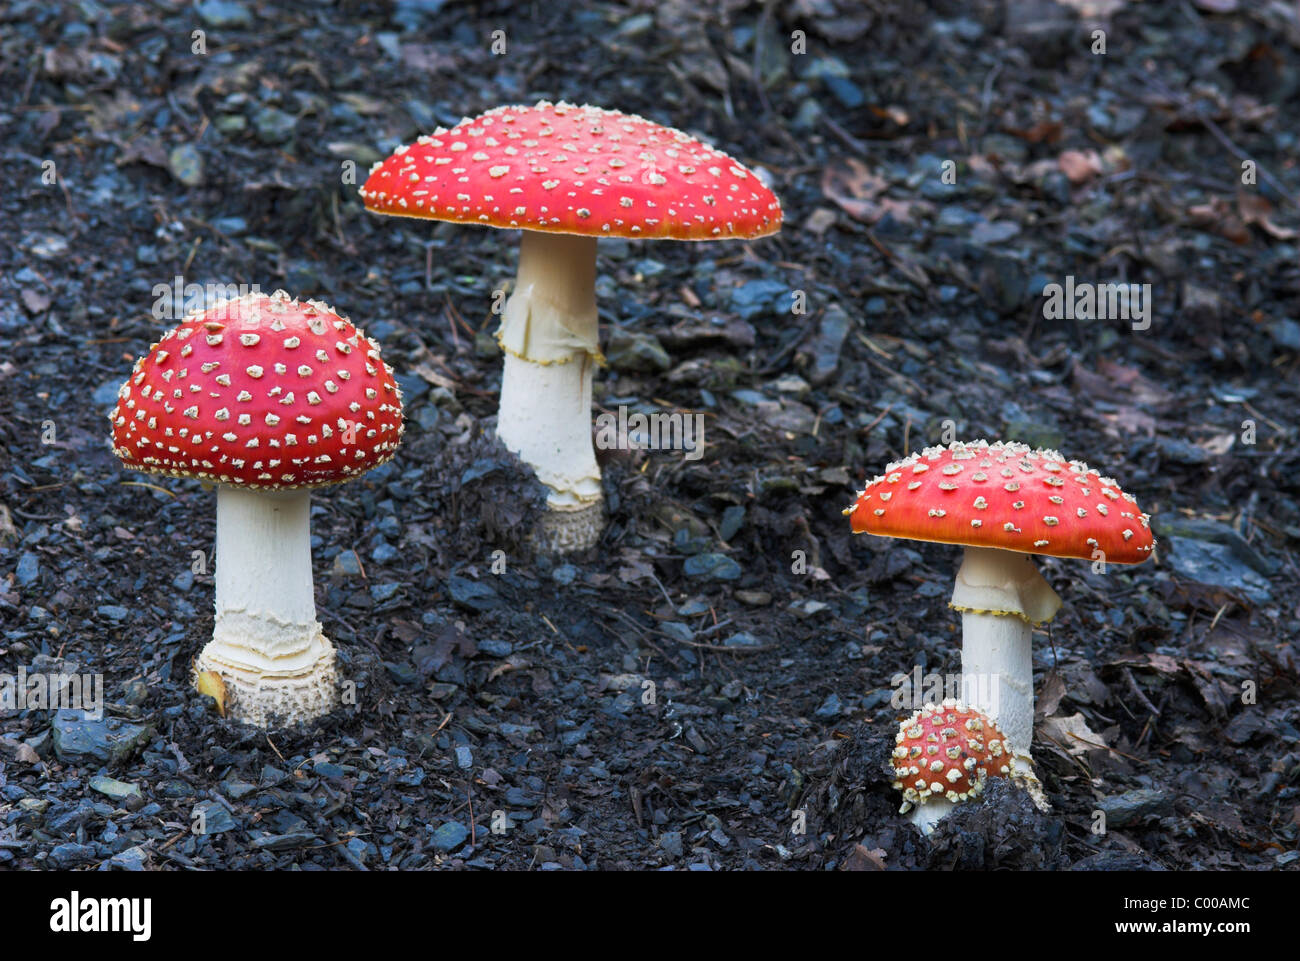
(940, 164)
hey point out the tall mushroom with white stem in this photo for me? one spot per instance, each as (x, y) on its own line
(268, 398)
(566, 176)
(1002, 502)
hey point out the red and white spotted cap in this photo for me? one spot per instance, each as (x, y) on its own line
(948, 751)
(260, 392)
(1007, 496)
(561, 168)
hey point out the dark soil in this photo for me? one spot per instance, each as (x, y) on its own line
(618, 710)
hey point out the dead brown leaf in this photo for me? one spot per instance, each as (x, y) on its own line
(513, 663)
(895, 114)
(1132, 394)
(1188, 596)
(851, 185)
(1049, 698)
(1208, 686)
(1219, 217)
(863, 860)
(1079, 166)
(1045, 131)
(406, 631)
(143, 150)
(364, 104)
(1130, 420)
(1220, 816)
(1142, 389)
(211, 684)
(427, 373)
(1161, 663)
(634, 570)
(1256, 210)
(1219, 444)
(1073, 734)
(426, 57)
(820, 221)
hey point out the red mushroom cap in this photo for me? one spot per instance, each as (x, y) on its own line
(261, 392)
(948, 750)
(565, 169)
(1007, 496)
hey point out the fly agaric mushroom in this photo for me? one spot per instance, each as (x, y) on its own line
(267, 398)
(1003, 502)
(947, 752)
(566, 176)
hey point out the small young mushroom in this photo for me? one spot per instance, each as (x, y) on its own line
(566, 176)
(947, 752)
(267, 398)
(1004, 502)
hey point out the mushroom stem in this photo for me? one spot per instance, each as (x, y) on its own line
(1001, 596)
(266, 643)
(997, 674)
(927, 816)
(549, 336)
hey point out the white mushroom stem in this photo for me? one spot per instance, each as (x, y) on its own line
(549, 336)
(997, 674)
(928, 815)
(1001, 595)
(266, 643)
